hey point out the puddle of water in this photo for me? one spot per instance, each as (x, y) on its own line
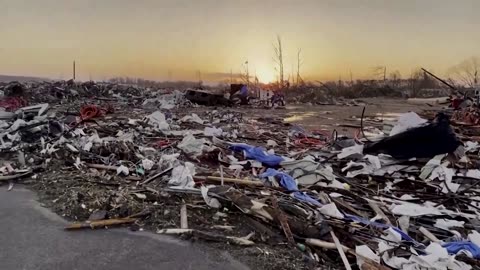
(298, 117)
(388, 116)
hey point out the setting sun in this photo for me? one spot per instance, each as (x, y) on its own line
(266, 75)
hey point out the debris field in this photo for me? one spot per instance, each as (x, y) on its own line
(401, 195)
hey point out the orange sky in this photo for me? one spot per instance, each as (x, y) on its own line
(149, 38)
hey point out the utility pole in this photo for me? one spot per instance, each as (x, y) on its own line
(385, 73)
(74, 70)
(248, 75)
(231, 76)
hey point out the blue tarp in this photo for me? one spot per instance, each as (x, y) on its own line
(456, 247)
(257, 153)
(288, 183)
(366, 221)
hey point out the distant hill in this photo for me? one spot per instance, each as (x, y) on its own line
(9, 78)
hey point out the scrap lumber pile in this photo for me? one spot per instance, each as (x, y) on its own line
(406, 199)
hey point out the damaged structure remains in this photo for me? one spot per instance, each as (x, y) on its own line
(104, 154)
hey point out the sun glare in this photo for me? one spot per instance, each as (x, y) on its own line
(265, 75)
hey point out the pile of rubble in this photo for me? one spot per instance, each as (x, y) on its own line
(292, 198)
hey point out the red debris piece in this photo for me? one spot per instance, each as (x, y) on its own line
(13, 103)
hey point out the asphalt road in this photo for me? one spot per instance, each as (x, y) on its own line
(32, 238)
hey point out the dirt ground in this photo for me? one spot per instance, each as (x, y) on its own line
(329, 117)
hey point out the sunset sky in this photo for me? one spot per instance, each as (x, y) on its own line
(162, 39)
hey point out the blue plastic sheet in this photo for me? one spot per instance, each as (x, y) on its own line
(365, 221)
(456, 247)
(244, 91)
(257, 153)
(287, 182)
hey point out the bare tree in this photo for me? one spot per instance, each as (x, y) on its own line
(415, 81)
(299, 64)
(394, 78)
(466, 71)
(278, 58)
(380, 72)
(420, 80)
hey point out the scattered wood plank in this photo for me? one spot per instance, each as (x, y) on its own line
(429, 235)
(341, 251)
(379, 211)
(283, 220)
(100, 223)
(155, 176)
(15, 176)
(242, 241)
(228, 180)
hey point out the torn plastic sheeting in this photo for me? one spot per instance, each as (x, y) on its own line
(257, 153)
(434, 169)
(473, 174)
(448, 185)
(365, 221)
(212, 131)
(435, 257)
(167, 161)
(308, 172)
(365, 252)
(272, 143)
(352, 150)
(404, 223)
(158, 120)
(147, 164)
(210, 201)
(366, 169)
(192, 146)
(304, 164)
(374, 160)
(414, 210)
(125, 136)
(446, 224)
(192, 118)
(431, 165)
(474, 237)
(471, 146)
(373, 165)
(469, 248)
(166, 104)
(331, 210)
(88, 146)
(314, 177)
(390, 169)
(407, 121)
(182, 176)
(122, 170)
(288, 183)
(445, 174)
